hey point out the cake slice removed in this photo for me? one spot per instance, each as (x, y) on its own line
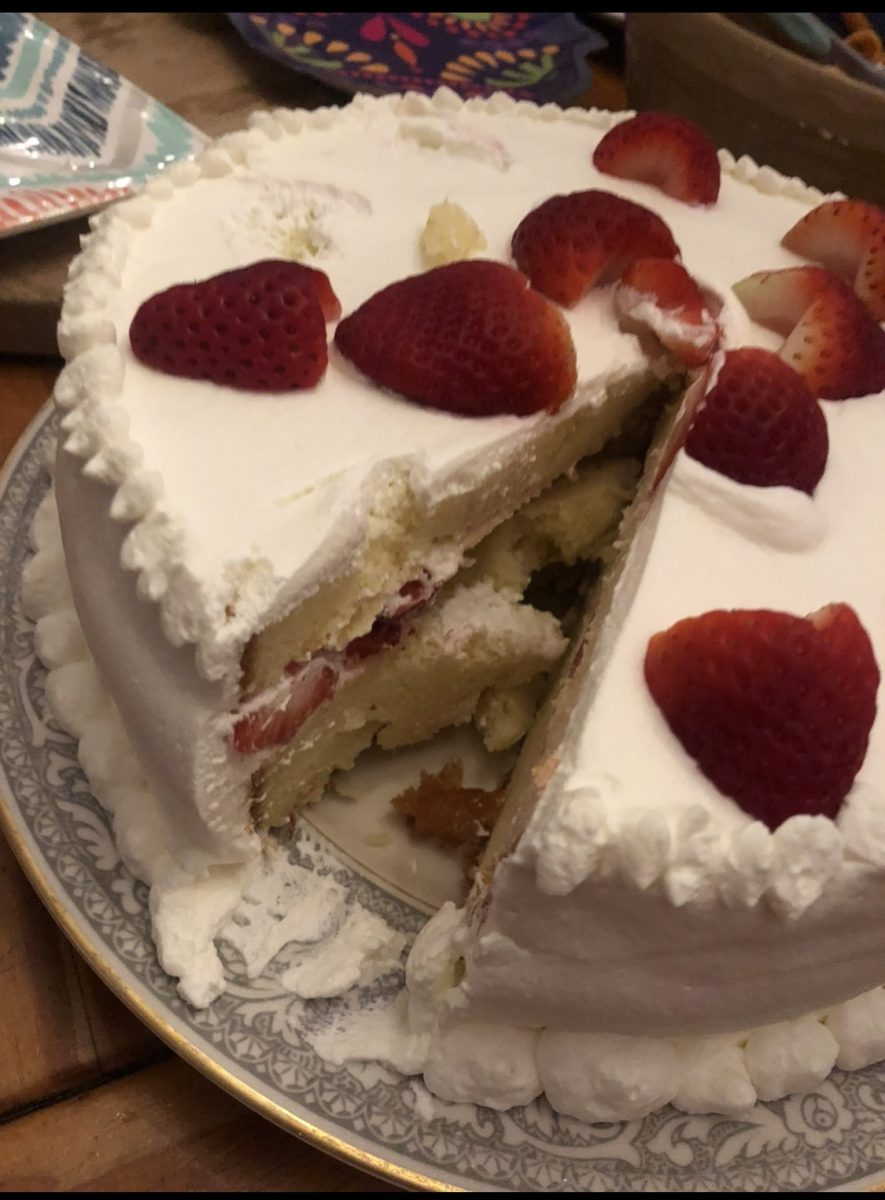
(631, 899)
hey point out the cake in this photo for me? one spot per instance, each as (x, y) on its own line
(271, 581)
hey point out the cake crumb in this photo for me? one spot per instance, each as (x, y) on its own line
(456, 817)
(450, 235)
(377, 839)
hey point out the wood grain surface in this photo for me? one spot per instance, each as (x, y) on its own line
(90, 1100)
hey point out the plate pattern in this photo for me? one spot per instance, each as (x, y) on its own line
(73, 133)
(533, 56)
(259, 1033)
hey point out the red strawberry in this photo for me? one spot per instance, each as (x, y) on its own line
(775, 709)
(668, 152)
(322, 287)
(311, 684)
(832, 341)
(660, 294)
(760, 424)
(848, 236)
(778, 299)
(838, 348)
(471, 338)
(570, 244)
(260, 328)
(395, 621)
(675, 440)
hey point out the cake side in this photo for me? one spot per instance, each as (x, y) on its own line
(594, 1077)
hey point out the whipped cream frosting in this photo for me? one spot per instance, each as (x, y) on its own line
(629, 851)
(170, 445)
(631, 854)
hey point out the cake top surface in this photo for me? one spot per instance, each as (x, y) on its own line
(248, 501)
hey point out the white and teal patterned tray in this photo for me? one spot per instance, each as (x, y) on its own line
(251, 1041)
(74, 134)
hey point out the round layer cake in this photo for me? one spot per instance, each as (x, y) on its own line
(219, 540)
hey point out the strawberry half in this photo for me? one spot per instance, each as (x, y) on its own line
(848, 236)
(661, 295)
(775, 709)
(832, 341)
(666, 151)
(760, 424)
(260, 328)
(311, 684)
(471, 338)
(570, 244)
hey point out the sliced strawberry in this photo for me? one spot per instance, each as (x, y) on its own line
(666, 151)
(310, 685)
(570, 244)
(832, 341)
(322, 287)
(259, 328)
(661, 295)
(776, 709)
(848, 236)
(692, 398)
(838, 348)
(779, 299)
(760, 424)
(395, 621)
(471, 338)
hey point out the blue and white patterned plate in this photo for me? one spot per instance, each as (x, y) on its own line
(74, 135)
(252, 1040)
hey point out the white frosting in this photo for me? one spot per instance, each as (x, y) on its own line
(604, 1077)
(638, 306)
(723, 567)
(780, 517)
(267, 906)
(322, 175)
(713, 1077)
(793, 1056)
(364, 948)
(859, 1028)
(632, 857)
(492, 1065)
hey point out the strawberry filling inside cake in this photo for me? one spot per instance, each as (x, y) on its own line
(319, 496)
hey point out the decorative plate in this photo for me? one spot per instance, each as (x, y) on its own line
(252, 1041)
(534, 56)
(73, 134)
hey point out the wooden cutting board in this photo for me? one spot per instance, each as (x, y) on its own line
(197, 65)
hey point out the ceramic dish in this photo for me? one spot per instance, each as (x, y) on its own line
(534, 56)
(74, 135)
(256, 1042)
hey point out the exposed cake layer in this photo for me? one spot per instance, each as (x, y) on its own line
(618, 857)
(473, 649)
(476, 639)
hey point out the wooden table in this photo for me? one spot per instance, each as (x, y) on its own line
(89, 1098)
